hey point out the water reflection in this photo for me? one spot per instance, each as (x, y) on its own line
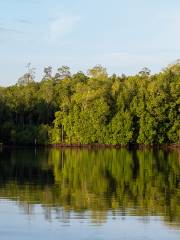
(93, 184)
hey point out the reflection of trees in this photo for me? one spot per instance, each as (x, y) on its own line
(135, 182)
(25, 166)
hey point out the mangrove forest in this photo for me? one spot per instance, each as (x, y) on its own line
(92, 108)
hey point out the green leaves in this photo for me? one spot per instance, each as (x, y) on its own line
(121, 128)
(77, 108)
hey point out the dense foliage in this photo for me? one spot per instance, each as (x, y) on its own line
(92, 108)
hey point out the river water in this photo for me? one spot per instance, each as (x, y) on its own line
(86, 194)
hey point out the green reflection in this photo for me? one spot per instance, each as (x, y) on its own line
(141, 183)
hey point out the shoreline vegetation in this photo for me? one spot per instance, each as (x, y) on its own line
(98, 146)
(92, 110)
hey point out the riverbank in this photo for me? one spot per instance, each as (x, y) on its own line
(96, 146)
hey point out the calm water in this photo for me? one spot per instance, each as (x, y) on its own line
(89, 194)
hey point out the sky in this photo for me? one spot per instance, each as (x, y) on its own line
(122, 35)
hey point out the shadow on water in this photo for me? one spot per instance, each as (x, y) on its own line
(139, 183)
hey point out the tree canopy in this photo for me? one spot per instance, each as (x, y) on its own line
(92, 108)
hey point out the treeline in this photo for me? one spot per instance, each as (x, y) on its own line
(92, 108)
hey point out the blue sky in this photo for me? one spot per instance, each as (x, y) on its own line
(122, 35)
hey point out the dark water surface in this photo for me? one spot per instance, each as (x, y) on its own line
(89, 194)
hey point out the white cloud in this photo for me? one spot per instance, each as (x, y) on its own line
(62, 26)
